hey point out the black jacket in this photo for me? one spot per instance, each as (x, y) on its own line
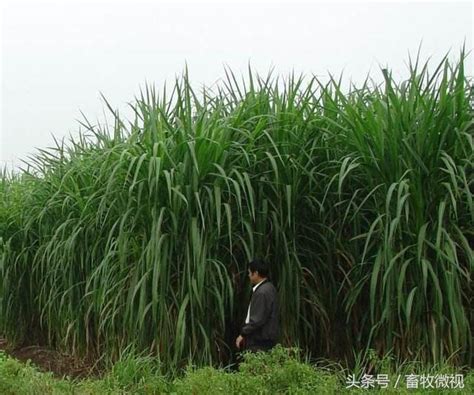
(264, 324)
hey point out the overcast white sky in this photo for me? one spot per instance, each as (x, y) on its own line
(57, 56)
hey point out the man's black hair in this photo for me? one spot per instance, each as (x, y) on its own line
(260, 266)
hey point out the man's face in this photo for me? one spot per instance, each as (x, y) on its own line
(254, 277)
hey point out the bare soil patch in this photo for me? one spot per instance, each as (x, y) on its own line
(49, 360)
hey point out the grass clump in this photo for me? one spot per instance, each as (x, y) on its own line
(279, 371)
(18, 379)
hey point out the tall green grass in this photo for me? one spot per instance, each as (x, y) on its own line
(361, 200)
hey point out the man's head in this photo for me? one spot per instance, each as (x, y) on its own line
(258, 271)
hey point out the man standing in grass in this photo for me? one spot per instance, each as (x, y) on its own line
(261, 329)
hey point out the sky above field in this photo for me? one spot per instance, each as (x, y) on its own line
(58, 56)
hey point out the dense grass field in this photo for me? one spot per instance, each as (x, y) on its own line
(138, 234)
(278, 372)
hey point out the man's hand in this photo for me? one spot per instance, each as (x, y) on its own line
(239, 341)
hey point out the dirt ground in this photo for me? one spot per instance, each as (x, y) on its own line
(48, 360)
